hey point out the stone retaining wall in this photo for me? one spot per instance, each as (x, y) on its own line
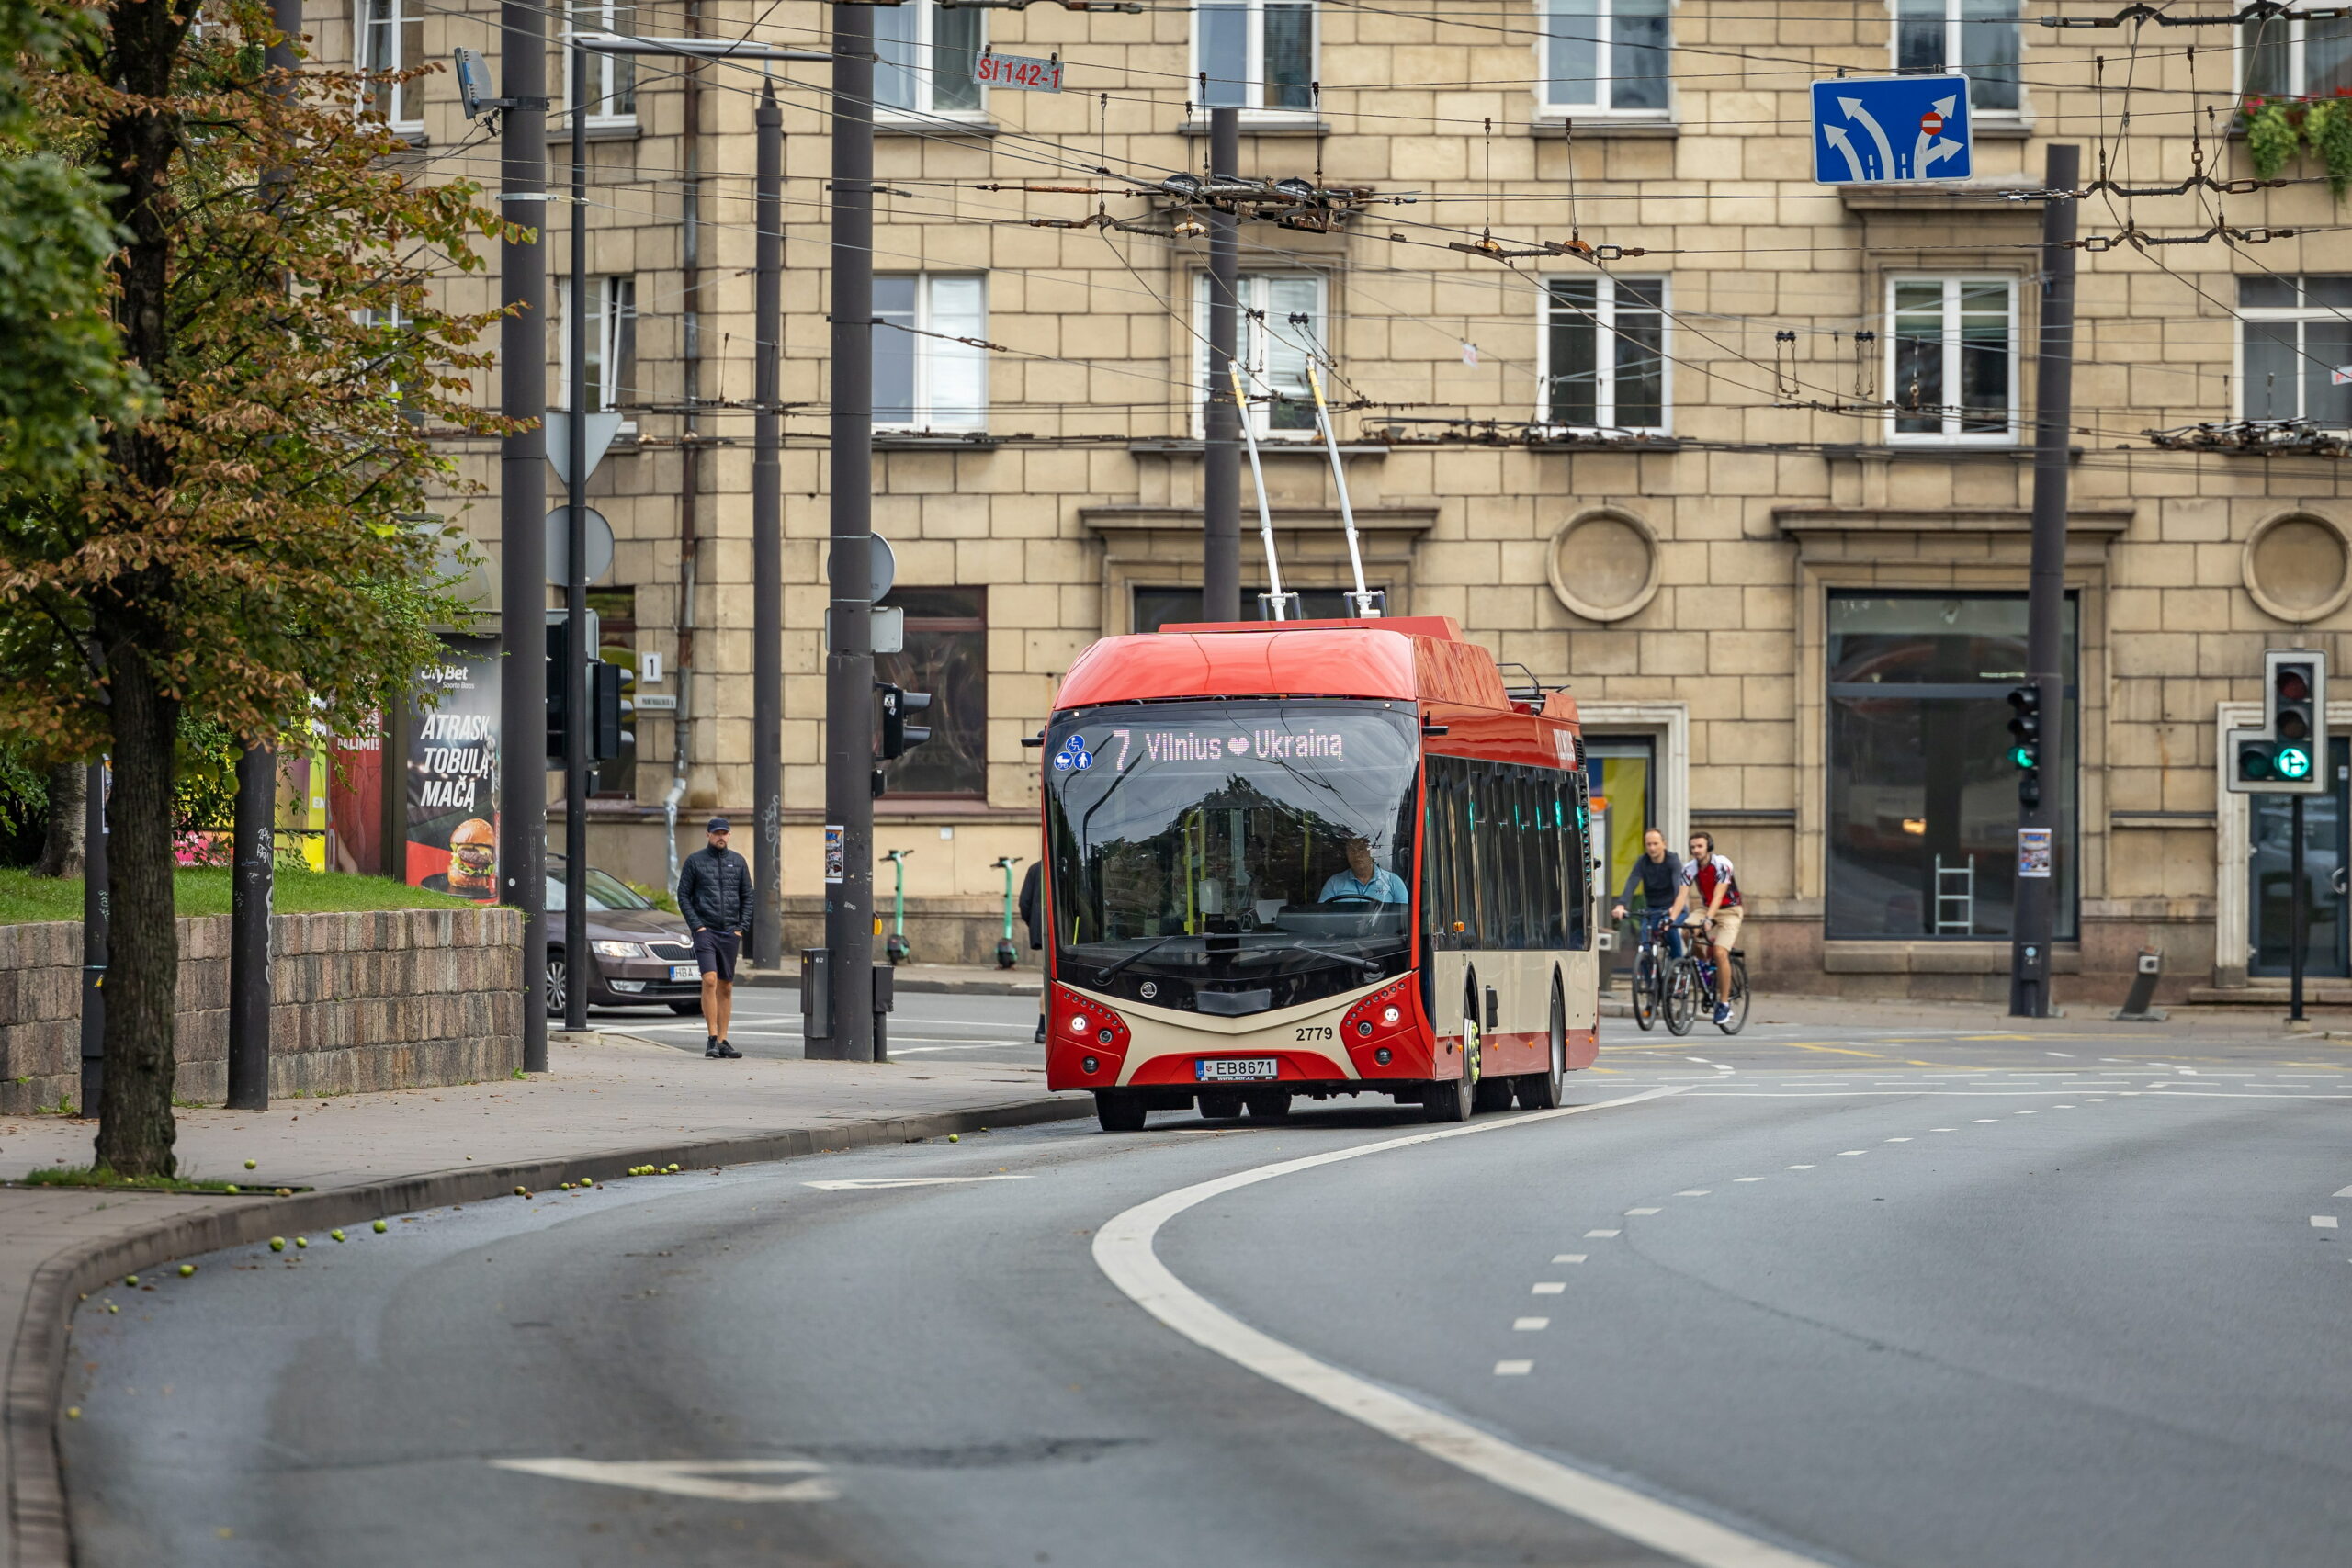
(390, 998)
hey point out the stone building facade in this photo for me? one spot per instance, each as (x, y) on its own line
(1752, 475)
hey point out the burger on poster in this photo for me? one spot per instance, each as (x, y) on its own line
(473, 861)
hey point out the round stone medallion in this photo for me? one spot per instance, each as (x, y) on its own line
(1604, 564)
(2298, 567)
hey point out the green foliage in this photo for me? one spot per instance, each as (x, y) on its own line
(206, 890)
(2328, 128)
(660, 897)
(100, 1176)
(2271, 139)
(2276, 130)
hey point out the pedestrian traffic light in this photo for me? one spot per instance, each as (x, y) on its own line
(2025, 741)
(2288, 754)
(898, 737)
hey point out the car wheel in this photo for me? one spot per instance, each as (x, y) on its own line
(558, 984)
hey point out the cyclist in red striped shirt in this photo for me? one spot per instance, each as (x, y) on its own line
(1710, 876)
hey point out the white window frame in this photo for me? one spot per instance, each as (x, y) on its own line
(2297, 67)
(2304, 356)
(606, 328)
(1253, 106)
(924, 71)
(1253, 344)
(404, 100)
(1953, 56)
(1605, 392)
(1950, 434)
(608, 73)
(1551, 109)
(927, 352)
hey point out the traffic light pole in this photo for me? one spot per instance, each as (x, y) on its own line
(2035, 921)
(849, 662)
(579, 963)
(2295, 926)
(522, 509)
(767, 546)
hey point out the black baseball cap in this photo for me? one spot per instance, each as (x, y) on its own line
(719, 825)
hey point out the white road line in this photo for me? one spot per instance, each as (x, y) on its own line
(1567, 1257)
(2324, 1222)
(1549, 1288)
(1940, 1129)
(1747, 1178)
(1123, 1249)
(690, 1478)
(1898, 1140)
(861, 1183)
(1796, 1167)
(1983, 1121)
(2342, 1192)
(1603, 1235)
(1530, 1325)
(1695, 1192)
(1849, 1154)
(1642, 1211)
(1513, 1369)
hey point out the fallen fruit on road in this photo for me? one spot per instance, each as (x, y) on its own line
(381, 1227)
(73, 1412)
(955, 1138)
(186, 1269)
(130, 1279)
(302, 1241)
(278, 1244)
(111, 1307)
(338, 1235)
(252, 1164)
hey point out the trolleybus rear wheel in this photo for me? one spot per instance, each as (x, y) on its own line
(1119, 1109)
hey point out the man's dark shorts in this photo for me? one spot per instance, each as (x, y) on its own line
(716, 951)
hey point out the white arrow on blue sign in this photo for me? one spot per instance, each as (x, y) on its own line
(1872, 130)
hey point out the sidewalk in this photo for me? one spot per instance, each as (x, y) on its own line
(609, 1103)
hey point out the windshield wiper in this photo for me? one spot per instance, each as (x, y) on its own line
(1366, 965)
(1105, 974)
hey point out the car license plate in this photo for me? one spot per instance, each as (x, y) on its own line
(685, 972)
(1224, 1069)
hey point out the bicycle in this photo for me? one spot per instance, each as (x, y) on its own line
(1653, 964)
(1690, 985)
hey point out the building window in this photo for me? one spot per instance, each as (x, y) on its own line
(1604, 56)
(924, 59)
(923, 377)
(2298, 57)
(1979, 39)
(392, 37)
(948, 655)
(1157, 607)
(1922, 797)
(2296, 348)
(1282, 330)
(1604, 353)
(612, 344)
(612, 78)
(1952, 359)
(1257, 54)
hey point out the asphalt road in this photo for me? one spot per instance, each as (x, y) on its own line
(1916, 1300)
(922, 1024)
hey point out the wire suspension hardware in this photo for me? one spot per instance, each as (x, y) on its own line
(1277, 601)
(1362, 602)
(2256, 11)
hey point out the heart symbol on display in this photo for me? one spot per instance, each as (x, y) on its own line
(1241, 745)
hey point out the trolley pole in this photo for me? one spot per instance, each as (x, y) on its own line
(1222, 416)
(2036, 896)
(522, 510)
(849, 662)
(767, 540)
(579, 962)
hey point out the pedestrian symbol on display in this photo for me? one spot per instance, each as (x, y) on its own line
(1073, 756)
(1891, 130)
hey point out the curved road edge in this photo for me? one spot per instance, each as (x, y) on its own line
(39, 1532)
(1124, 1251)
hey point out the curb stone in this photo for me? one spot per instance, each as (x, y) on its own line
(39, 1533)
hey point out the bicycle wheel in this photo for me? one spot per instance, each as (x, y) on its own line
(1681, 1007)
(1645, 990)
(1738, 1020)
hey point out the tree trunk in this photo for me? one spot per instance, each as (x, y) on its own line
(61, 846)
(135, 1130)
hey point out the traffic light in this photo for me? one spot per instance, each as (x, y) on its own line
(2025, 741)
(898, 737)
(606, 683)
(2288, 754)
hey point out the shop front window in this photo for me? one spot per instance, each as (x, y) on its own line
(1922, 797)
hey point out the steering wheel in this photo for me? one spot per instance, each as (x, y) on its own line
(1338, 899)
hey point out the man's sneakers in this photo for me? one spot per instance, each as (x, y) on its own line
(729, 1052)
(1723, 1012)
(1041, 1029)
(710, 1047)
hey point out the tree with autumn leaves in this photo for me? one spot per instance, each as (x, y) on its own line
(222, 534)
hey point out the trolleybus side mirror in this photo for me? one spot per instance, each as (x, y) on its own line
(1033, 742)
(1434, 729)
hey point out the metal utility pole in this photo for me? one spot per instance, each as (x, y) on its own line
(1221, 455)
(254, 823)
(249, 928)
(522, 510)
(2036, 896)
(767, 538)
(579, 963)
(95, 910)
(849, 663)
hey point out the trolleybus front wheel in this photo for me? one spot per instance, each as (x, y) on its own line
(1454, 1100)
(1544, 1090)
(1268, 1104)
(1223, 1105)
(1119, 1109)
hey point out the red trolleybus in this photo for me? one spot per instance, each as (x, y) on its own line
(1313, 858)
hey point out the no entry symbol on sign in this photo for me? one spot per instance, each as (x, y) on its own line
(1932, 122)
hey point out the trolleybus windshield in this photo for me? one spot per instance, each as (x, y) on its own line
(1233, 856)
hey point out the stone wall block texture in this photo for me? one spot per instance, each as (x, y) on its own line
(362, 1002)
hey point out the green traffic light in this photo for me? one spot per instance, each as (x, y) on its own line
(2022, 756)
(2293, 763)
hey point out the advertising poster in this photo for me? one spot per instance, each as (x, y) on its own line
(2033, 852)
(453, 773)
(356, 802)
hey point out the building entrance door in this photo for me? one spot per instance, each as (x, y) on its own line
(2327, 943)
(1621, 772)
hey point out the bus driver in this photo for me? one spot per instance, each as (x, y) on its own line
(1364, 880)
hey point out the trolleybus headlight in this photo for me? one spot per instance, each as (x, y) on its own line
(1363, 1030)
(1077, 1023)
(1381, 1055)
(1390, 1015)
(1089, 1065)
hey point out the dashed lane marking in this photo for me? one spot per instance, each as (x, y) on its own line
(1123, 1249)
(2324, 1222)
(1747, 1178)
(1513, 1369)
(1567, 1257)
(1530, 1325)
(1641, 1211)
(1694, 1192)
(1796, 1167)
(1549, 1288)
(2342, 1192)
(1849, 1154)
(1602, 1235)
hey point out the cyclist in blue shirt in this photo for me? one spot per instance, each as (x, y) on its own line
(1364, 879)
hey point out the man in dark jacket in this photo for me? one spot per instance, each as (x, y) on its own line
(715, 895)
(1033, 914)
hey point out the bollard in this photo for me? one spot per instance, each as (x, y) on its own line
(816, 993)
(885, 994)
(2135, 1007)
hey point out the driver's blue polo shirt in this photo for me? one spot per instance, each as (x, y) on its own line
(1385, 887)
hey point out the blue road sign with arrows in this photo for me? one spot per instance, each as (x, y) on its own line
(1872, 130)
